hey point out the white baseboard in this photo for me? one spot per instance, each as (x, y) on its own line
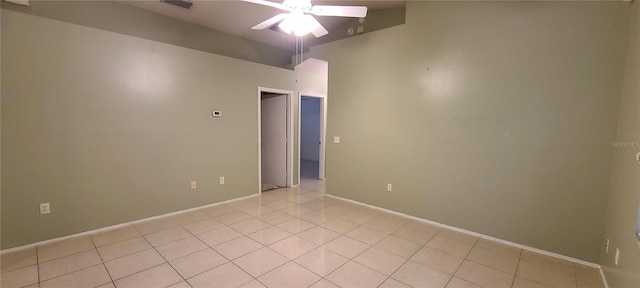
(560, 256)
(104, 229)
(604, 278)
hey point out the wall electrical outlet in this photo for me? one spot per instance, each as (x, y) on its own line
(336, 139)
(193, 185)
(606, 246)
(617, 259)
(45, 208)
(389, 187)
(222, 180)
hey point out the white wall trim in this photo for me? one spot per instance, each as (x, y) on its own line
(604, 278)
(289, 96)
(109, 228)
(552, 254)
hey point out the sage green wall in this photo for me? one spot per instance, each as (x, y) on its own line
(121, 18)
(110, 128)
(624, 198)
(495, 117)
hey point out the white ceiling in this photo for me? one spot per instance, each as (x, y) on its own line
(237, 17)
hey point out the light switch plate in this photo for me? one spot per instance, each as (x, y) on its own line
(336, 139)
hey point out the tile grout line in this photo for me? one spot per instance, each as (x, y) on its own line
(174, 269)
(64, 274)
(38, 265)
(263, 246)
(355, 256)
(463, 259)
(409, 258)
(163, 258)
(209, 247)
(101, 261)
(212, 248)
(517, 267)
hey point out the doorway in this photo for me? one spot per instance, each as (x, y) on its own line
(274, 132)
(312, 137)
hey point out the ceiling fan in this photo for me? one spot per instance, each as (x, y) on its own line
(299, 19)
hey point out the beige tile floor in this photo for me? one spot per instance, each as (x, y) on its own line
(287, 238)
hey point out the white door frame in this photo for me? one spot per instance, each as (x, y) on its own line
(289, 95)
(323, 131)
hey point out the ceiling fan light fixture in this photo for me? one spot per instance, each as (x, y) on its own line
(299, 24)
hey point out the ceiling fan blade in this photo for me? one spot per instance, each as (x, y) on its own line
(269, 3)
(344, 11)
(273, 20)
(319, 31)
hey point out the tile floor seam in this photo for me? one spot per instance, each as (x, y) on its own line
(85, 268)
(194, 275)
(196, 237)
(120, 241)
(575, 275)
(462, 262)
(163, 258)
(305, 268)
(38, 265)
(72, 254)
(263, 284)
(513, 282)
(174, 269)
(285, 263)
(108, 273)
(348, 260)
(61, 275)
(232, 263)
(7, 271)
(485, 265)
(138, 272)
(405, 262)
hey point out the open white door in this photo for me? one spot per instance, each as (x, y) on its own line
(274, 140)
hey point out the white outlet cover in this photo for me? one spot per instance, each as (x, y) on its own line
(222, 180)
(336, 139)
(45, 208)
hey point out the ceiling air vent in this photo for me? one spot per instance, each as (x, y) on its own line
(180, 3)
